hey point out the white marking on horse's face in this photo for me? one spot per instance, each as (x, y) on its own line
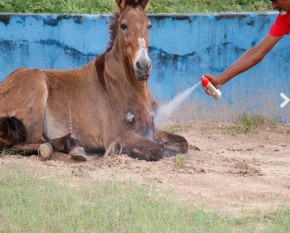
(142, 62)
(142, 43)
(134, 25)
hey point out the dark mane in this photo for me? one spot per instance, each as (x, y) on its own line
(113, 29)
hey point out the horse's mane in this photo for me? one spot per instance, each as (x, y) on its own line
(113, 29)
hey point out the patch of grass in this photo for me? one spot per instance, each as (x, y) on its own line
(107, 6)
(273, 123)
(57, 6)
(180, 160)
(31, 202)
(250, 124)
(287, 131)
(175, 127)
(207, 6)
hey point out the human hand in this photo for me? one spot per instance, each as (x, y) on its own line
(213, 80)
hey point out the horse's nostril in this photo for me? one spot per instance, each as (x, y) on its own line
(144, 66)
(139, 66)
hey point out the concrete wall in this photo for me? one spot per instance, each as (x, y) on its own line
(182, 48)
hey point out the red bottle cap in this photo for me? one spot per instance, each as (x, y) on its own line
(204, 81)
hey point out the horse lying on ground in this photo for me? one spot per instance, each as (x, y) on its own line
(105, 105)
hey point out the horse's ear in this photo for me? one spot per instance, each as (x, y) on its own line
(144, 3)
(121, 4)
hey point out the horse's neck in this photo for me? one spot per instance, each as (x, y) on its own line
(121, 75)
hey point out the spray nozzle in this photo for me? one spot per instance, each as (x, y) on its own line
(204, 81)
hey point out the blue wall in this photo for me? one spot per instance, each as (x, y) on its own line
(182, 48)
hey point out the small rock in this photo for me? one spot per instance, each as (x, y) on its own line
(79, 171)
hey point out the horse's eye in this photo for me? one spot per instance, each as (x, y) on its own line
(124, 26)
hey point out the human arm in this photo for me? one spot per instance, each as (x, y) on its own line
(249, 59)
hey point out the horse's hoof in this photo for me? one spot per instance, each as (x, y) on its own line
(78, 153)
(45, 151)
(113, 149)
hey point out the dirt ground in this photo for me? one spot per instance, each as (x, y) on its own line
(225, 171)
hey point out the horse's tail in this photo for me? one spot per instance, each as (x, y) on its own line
(12, 131)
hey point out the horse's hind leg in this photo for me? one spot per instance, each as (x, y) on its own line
(66, 144)
(23, 94)
(13, 134)
(34, 115)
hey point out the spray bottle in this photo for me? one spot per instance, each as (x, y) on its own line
(216, 93)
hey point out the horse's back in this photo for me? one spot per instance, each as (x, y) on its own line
(20, 78)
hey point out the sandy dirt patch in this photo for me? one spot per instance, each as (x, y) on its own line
(224, 171)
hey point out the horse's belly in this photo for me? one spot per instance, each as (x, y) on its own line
(53, 127)
(60, 123)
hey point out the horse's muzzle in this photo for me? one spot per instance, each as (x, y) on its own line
(143, 78)
(142, 69)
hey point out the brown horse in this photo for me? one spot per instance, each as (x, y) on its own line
(105, 105)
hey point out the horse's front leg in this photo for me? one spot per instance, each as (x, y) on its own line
(66, 144)
(173, 144)
(136, 146)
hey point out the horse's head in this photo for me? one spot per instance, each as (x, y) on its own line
(132, 36)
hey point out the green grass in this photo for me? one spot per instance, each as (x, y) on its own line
(38, 201)
(206, 6)
(250, 124)
(180, 160)
(156, 6)
(174, 128)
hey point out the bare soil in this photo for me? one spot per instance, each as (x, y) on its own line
(224, 171)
